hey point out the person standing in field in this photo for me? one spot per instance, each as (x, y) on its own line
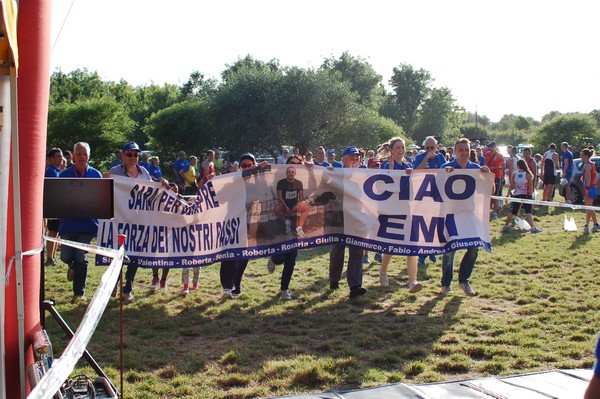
(589, 178)
(549, 166)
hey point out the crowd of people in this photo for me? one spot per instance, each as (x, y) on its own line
(522, 174)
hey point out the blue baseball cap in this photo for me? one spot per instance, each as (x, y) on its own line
(331, 151)
(350, 151)
(249, 156)
(131, 146)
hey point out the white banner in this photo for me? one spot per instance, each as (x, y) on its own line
(233, 217)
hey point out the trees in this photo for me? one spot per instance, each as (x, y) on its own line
(579, 130)
(103, 123)
(363, 79)
(411, 88)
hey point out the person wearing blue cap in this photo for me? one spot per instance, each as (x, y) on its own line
(232, 271)
(331, 159)
(350, 159)
(130, 168)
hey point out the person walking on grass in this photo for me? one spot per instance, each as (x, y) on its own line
(589, 177)
(467, 264)
(79, 230)
(393, 152)
(549, 166)
(521, 186)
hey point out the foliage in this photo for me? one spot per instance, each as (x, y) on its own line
(183, 126)
(363, 79)
(511, 122)
(577, 129)
(439, 116)
(78, 85)
(103, 123)
(411, 88)
(198, 87)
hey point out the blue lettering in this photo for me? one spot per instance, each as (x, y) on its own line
(386, 224)
(426, 191)
(468, 191)
(437, 224)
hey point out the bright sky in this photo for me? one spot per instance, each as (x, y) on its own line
(523, 57)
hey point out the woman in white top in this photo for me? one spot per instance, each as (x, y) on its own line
(521, 186)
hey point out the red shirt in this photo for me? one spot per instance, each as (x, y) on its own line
(495, 164)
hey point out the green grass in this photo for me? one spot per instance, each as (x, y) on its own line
(538, 308)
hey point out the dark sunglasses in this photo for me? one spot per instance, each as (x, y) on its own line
(246, 165)
(131, 154)
(429, 148)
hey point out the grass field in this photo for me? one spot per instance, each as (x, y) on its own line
(538, 308)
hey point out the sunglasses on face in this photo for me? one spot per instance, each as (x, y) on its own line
(427, 148)
(131, 154)
(246, 165)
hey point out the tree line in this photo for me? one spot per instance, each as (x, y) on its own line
(260, 106)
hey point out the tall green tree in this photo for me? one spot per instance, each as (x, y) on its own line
(576, 129)
(411, 88)
(198, 87)
(103, 123)
(439, 116)
(78, 85)
(182, 126)
(147, 101)
(363, 79)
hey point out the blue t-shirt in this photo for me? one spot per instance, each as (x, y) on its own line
(79, 225)
(455, 165)
(144, 164)
(481, 160)
(337, 164)
(180, 164)
(433, 163)
(597, 363)
(154, 171)
(324, 164)
(52, 171)
(567, 155)
(397, 166)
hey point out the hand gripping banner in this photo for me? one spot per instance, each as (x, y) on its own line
(248, 214)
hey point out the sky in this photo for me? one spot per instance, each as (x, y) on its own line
(522, 57)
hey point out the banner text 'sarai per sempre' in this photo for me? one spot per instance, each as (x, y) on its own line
(233, 216)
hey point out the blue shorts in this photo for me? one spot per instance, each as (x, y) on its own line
(592, 192)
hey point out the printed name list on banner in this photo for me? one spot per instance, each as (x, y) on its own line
(235, 215)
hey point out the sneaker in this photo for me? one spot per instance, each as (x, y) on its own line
(285, 294)
(288, 226)
(70, 274)
(50, 262)
(128, 298)
(433, 258)
(383, 279)
(195, 287)
(79, 299)
(494, 215)
(508, 228)
(235, 293)
(466, 287)
(186, 289)
(586, 229)
(334, 285)
(596, 227)
(271, 266)
(378, 258)
(163, 284)
(226, 292)
(535, 230)
(357, 291)
(414, 287)
(299, 232)
(366, 259)
(446, 291)
(154, 284)
(422, 260)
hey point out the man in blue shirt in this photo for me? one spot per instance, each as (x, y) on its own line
(567, 170)
(460, 161)
(430, 159)
(331, 159)
(320, 158)
(79, 230)
(54, 157)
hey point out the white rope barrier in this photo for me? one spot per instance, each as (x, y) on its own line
(61, 368)
(546, 203)
(110, 252)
